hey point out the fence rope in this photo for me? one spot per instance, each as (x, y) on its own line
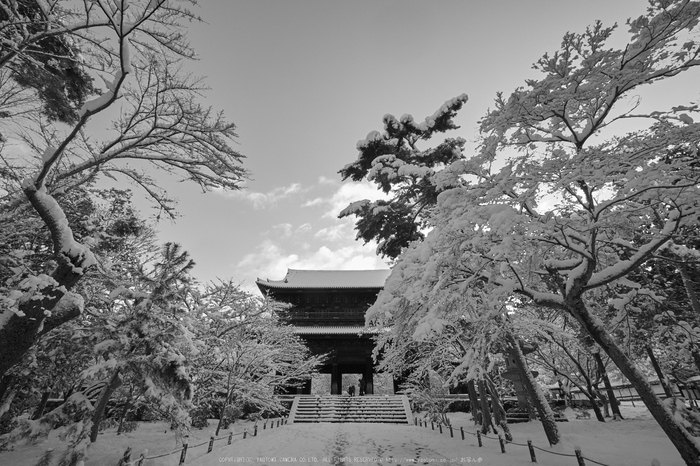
(179, 450)
(533, 446)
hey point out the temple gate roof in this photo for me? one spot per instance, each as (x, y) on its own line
(327, 279)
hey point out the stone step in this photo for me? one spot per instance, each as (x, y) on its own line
(375, 409)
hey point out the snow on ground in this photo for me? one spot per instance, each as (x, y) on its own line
(633, 442)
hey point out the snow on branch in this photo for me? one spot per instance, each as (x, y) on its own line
(79, 256)
(642, 254)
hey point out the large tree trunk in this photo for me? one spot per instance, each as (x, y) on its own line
(536, 396)
(679, 436)
(485, 411)
(19, 334)
(474, 402)
(614, 404)
(112, 385)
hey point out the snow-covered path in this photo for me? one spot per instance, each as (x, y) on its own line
(350, 443)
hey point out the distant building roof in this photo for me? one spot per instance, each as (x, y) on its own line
(318, 279)
(336, 330)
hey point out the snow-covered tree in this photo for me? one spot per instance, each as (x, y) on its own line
(42, 61)
(393, 161)
(570, 214)
(135, 48)
(250, 354)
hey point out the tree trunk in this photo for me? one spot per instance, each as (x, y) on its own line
(591, 394)
(485, 411)
(42, 405)
(536, 396)
(659, 374)
(679, 436)
(125, 410)
(221, 418)
(614, 404)
(604, 400)
(112, 385)
(474, 402)
(21, 330)
(695, 352)
(5, 406)
(499, 414)
(5, 382)
(689, 288)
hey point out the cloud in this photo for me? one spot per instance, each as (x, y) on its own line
(263, 200)
(270, 261)
(336, 232)
(286, 230)
(325, 180)
(344, 195)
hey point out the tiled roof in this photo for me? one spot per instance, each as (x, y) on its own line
(314, 279)
(335, 330)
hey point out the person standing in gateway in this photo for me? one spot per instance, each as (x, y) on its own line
(362, 386)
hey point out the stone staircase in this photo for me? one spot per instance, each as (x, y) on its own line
(341, 408)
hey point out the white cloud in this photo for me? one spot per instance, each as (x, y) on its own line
(336, 232)
(285, 228)
(344, 195)
(270, 261)
(304, 228)
(325, 180)
(263, 200)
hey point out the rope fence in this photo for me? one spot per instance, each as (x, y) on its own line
(581, 460)
(127, 461)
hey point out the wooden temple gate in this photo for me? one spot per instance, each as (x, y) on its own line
(328, 312)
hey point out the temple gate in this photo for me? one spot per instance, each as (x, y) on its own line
(328, 312)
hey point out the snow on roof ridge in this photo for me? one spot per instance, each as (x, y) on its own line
(304, 278)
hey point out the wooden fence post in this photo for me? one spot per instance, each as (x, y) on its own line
(478, 437)
(461, 429)
(255, 431)
(579, 456)
(126, 459)
(183, 455)
(211, 444)
(245, 432)
(440, 427)
(432, 425)
(503, 444)
(230, 437)
(451, 433)
(532, 451)
(415, 421)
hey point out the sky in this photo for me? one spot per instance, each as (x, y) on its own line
(304, 80)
